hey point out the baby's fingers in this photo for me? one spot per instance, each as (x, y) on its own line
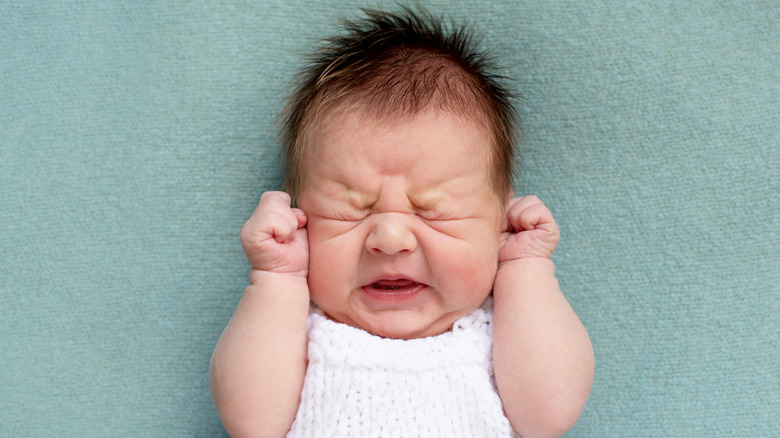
(274, 238)
(530, 230)
(529, 213)
(273, 218)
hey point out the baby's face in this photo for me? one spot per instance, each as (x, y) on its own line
(403, 223)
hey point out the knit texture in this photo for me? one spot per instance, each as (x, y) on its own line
(361, 385)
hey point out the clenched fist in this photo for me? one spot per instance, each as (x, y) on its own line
(530, 231)
(274, 238)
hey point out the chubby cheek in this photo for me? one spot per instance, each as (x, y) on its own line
(470, 270)
(332, 264)
(323, 283)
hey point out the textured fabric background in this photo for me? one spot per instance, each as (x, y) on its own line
(136, 138)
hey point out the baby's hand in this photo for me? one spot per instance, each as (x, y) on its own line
(274, 238)
(530, 231)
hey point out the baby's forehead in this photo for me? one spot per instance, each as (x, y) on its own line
(431, 146)
(368, 128)
(332, 131)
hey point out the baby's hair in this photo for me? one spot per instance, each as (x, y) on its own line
(399, 64)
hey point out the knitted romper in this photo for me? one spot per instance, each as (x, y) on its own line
(361, 385)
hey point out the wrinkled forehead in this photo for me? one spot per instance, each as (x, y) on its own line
(334, 111)
(349, 116)
(353, 122)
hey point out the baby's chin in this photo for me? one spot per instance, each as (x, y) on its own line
(401, 324)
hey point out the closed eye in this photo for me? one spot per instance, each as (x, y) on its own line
(350, 216)
(430, 215)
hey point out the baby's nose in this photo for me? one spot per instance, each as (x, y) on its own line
(391, 234)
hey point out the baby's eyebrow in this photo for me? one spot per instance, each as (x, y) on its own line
(426, 199)
(358, 200)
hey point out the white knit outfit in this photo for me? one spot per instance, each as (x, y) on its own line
(361, 385)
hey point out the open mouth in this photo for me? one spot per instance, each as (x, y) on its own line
(394, 285)
(394, 290)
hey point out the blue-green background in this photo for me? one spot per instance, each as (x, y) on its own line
(136, 138)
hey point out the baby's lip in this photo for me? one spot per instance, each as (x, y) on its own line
(393, 283)
(393, 292)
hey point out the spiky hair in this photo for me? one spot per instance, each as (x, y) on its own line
(395, 64)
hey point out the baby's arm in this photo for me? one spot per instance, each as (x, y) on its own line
(542, 354)
(259, 363)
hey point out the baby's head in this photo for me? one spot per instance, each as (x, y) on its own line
(400, 149)
(397, 65)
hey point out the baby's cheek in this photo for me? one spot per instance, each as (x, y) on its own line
(474, 268)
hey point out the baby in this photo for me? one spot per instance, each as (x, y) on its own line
(409, 293)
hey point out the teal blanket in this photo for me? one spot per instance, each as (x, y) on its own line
(136, 138)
